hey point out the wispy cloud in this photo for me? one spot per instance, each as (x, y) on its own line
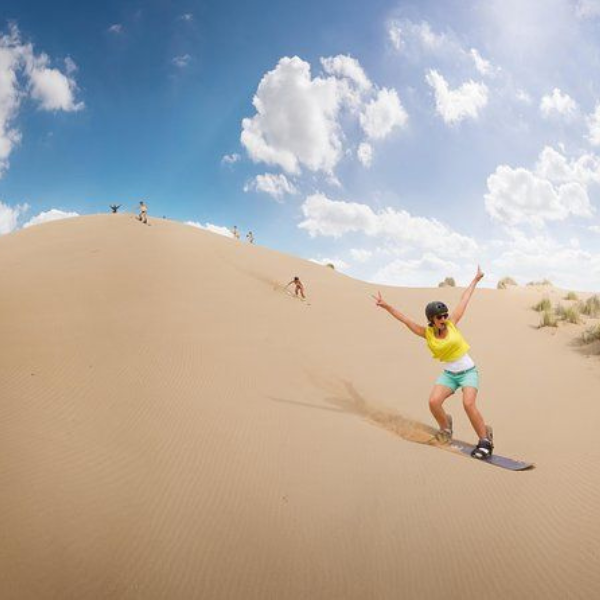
(230, 159)
(182, 60)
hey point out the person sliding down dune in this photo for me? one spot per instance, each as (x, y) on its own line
(447, 344)
(298, 289)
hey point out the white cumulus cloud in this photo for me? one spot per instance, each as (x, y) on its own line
(417, 271)
(332, 218)
(23, 73)
(298, 123)
(536, 257)
(555, 190)
(557, 103)
(296, 119)
(346, 66)
(338, 263)
(555, 167)
(593, 123)
(220, 230)
(53, 214)
(51, 88)
(458, 104)
(382, 114)
(275, 186)
(9, 216)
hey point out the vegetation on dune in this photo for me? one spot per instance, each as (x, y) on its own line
(552, 315)
(505, 282)
(548, 319)
(570, 314)
(591, 334)
(543, 305)
(591, 307)
(448, 282)
(543, 282)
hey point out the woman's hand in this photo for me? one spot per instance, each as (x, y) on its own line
(379, 301)
(479, 275)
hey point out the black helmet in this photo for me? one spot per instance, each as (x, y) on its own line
(433, 309)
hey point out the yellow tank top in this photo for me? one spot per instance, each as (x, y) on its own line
(449, 349)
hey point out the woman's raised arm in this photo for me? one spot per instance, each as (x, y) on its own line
(459, 311)
(416, 329)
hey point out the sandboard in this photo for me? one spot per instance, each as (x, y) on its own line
(457, 446)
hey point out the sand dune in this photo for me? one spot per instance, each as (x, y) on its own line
(174, 425)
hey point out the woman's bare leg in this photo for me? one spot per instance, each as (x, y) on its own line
(438, 396)
(469, 399)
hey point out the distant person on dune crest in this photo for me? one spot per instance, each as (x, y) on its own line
(250, 238)
(447, 344)
(235, 232)
(115, 208)
(299, 287)
(143, 216)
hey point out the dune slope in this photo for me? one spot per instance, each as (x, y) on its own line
(174, 425)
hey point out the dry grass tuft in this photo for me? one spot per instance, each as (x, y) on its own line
(591, 334)
(448, 282)
(543, 305)
(569, 314)
(505, 282)
(591, 307)
(543, 282)
(548, 319)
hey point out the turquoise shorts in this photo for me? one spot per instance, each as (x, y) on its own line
(469, 378)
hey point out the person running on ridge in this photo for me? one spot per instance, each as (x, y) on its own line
(447, 344)
(299, 287)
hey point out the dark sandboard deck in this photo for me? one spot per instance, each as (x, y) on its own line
(459, 447)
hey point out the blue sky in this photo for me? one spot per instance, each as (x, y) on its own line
(403, 141)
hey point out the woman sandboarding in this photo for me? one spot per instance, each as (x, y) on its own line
(447, 344)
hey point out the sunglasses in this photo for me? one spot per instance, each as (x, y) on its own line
(442, 316)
